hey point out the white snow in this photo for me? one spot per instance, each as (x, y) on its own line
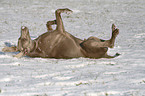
(121, 76)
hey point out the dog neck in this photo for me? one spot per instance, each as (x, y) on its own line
(31, 46)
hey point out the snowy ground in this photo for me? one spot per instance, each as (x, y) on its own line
(121, 76)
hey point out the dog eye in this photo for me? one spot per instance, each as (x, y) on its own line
(19, 38)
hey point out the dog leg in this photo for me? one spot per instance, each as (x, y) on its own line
(59, 21)
(19, 55)
(10, 49)
(115, 32)
(48, 25)
(110, 43)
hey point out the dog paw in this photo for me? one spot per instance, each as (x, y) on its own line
(113, 27)
(68, 11)
(65, 10)
(115, 32)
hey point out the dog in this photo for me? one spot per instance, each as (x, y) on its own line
(60, 44)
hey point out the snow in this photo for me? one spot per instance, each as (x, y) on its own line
(121, 76)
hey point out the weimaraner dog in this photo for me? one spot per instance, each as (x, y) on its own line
(60, 44)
